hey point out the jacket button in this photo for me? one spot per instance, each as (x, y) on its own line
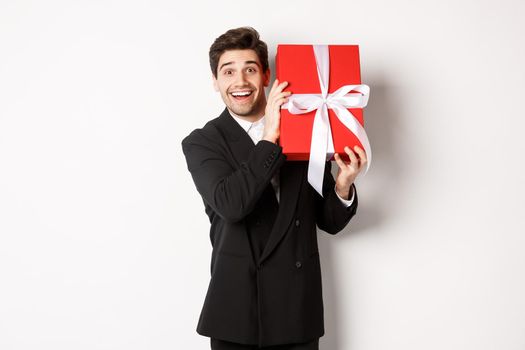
(298, 264)
(297, 222)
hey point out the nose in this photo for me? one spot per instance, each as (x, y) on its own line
(241, 79)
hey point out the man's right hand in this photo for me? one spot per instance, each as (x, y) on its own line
(272, 116)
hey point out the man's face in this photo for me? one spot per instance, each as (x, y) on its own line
(241, 82)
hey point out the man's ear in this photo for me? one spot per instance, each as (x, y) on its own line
(267, 75)
(215, 85)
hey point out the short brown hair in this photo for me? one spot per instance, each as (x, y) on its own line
(242, 38)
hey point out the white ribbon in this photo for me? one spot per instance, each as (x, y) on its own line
(322, 146)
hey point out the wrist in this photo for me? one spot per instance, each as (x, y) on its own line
(271, 138)
(344, 191)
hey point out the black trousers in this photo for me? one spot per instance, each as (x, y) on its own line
(217, 344)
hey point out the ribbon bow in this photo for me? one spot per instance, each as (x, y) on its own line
(322, 145)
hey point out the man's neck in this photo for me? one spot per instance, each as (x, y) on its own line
(251, 119)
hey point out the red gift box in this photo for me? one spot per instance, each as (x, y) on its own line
(296, 64)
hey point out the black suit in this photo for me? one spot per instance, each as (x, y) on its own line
(265, 285)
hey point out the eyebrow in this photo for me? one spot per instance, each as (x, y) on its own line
(246, 62)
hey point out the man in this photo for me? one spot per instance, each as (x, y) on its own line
(265, 288)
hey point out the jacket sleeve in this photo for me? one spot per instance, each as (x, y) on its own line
(232, 193)
(331, 214)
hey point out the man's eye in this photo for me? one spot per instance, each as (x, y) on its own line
(228, 72)
(251, 70)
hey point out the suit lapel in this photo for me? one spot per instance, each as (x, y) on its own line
(291, 179)
(239, 142)
(292, 175)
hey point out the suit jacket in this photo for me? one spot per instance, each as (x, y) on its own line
(265, 285)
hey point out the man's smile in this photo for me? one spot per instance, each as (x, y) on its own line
(241, 95)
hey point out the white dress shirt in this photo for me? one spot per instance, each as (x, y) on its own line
(255, 131)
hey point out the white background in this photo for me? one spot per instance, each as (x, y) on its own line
(103, 238)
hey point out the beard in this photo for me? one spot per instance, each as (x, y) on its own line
(246, 109)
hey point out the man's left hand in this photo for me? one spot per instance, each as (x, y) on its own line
(348, 170)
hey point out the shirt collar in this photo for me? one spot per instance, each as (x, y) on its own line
(246, 125)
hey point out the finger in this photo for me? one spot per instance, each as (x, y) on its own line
(279, 95)
(283, 94)
(362, 155)
(353, 158)
(282, 86)
(278, 98)
(272, 90)
(280, 101)
(339, 161)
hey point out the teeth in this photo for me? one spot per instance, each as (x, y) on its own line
(241, 93)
